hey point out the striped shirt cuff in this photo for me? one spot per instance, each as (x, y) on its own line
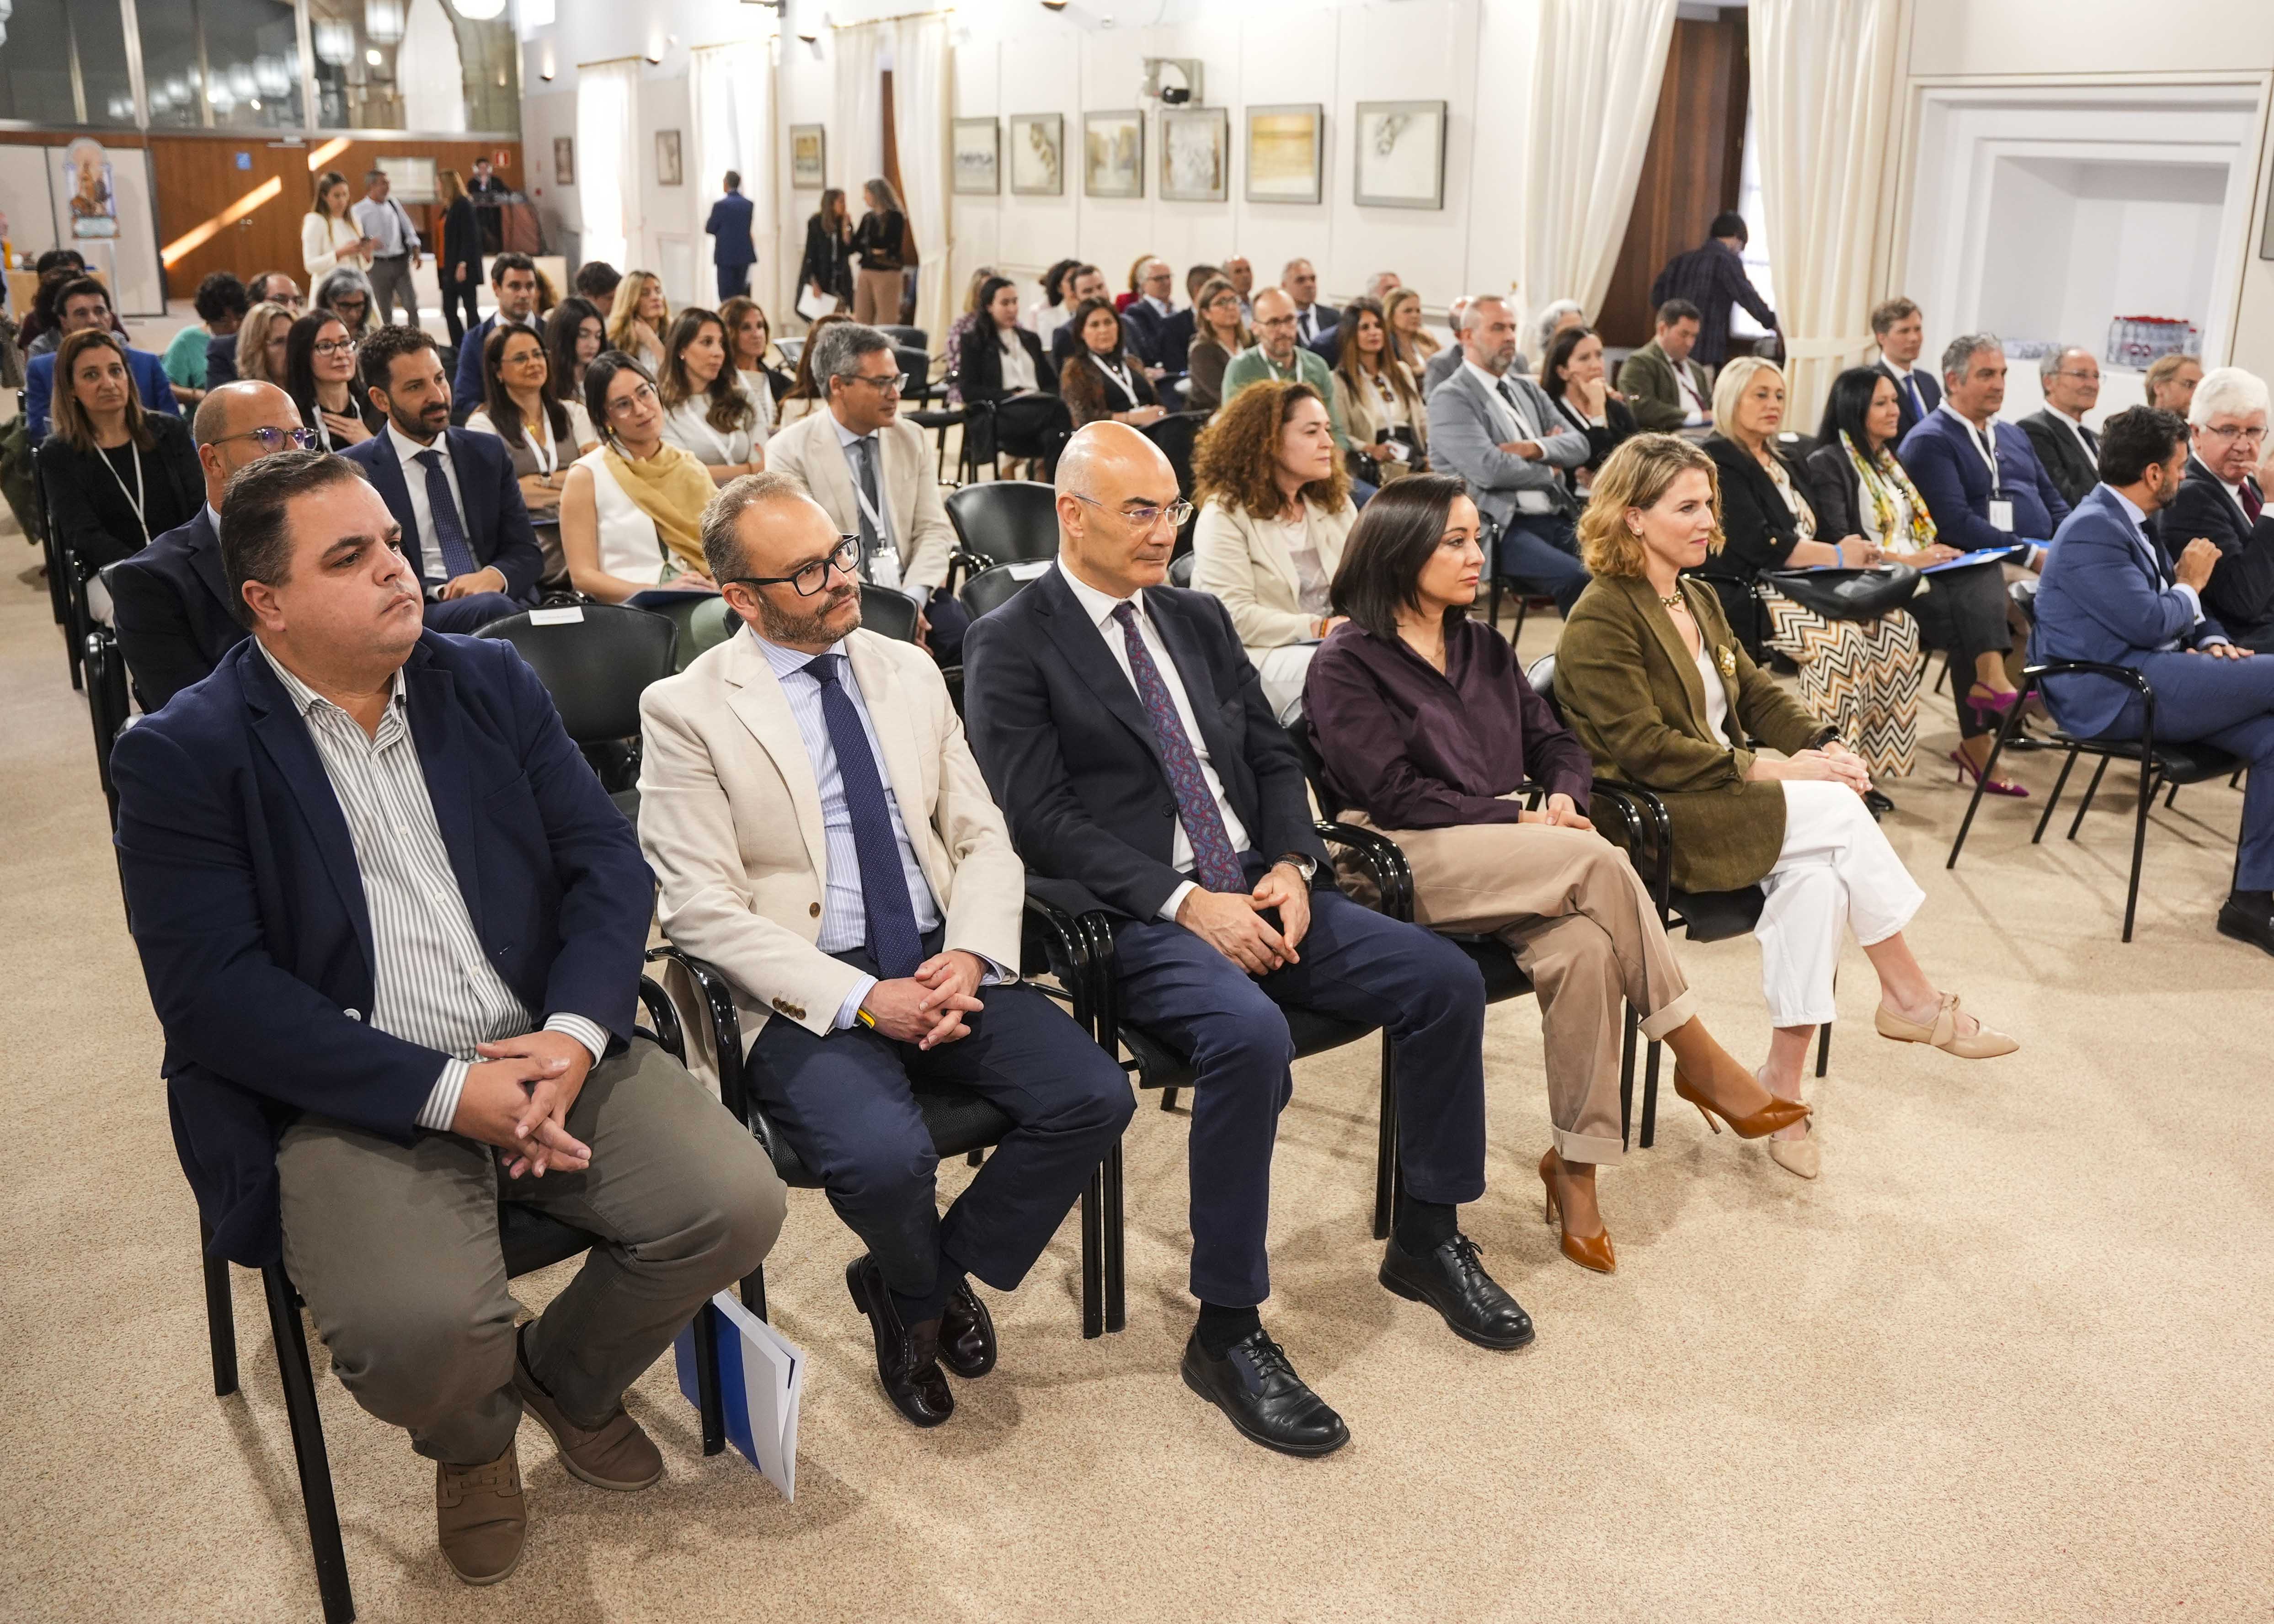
(441, 1107)
(852, 1005)
(590, 1033)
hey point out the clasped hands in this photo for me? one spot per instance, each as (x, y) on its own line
(1232, 923)
(1835, 764)
(1560, 811)
(517, 1096)
(927, 1009)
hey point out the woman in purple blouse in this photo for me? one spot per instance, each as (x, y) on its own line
(1428, 731)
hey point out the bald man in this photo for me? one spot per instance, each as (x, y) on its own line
(171, 601)
(1131, 749)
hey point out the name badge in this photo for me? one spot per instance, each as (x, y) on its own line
(2001, 515)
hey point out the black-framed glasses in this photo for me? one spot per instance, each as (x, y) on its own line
(894, 385)
(1144, 518)
(844, 558)
(333, 346)
(273, 441)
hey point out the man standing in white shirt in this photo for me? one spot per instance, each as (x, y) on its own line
(380, 218)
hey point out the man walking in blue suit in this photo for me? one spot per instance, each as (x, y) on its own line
(393, 929)
(733, 249)
(2109, 596)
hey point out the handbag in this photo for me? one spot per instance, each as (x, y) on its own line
(1846, 594)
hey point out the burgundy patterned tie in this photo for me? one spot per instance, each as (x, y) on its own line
(1214, 861)
(2253, 504)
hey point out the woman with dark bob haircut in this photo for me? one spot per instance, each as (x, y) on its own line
(1430, 735)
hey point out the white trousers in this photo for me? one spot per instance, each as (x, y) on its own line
(1835, 867)
(1283, 670)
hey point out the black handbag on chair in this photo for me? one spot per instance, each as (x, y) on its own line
(1847, 594)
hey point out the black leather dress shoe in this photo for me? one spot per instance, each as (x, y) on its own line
(1255, 1387)
(1879, 805)
(967, 1335)
(2248, 919)
(1452, 1281)
(907, 1359)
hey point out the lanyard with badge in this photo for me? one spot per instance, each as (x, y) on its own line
(134, 496)
(885, 562)
(1120, 376)
(545, 453)
(2001, 507)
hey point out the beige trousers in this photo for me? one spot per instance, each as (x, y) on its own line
(876, 296)
(1582, 925)
(395, 1249)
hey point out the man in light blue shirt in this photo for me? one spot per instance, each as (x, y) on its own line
(380, 218)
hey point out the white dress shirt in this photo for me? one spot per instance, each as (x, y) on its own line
(2076, 428)
(431, 567)
(432, 980)
(1099, 606)
(1018, 365)
(386, 224)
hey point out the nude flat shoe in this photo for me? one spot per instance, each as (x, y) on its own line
(1944, 1034)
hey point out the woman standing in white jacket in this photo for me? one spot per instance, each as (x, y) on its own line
(330, 237)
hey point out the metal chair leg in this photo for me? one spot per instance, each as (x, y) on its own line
(221, 1316)
(1626, 1080)
(1385, 1167)
(2140, 832)
(2054, 800)
(308, 1447)
(1093, 1254)
(1649, 1134)
(710, 1400)
(1116, 1262)
(2093, 788)
(1168, 1098)
(1989, 769)
(1523, 608)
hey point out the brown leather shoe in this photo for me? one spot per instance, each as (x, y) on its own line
(480, 1518)
(614, 1455)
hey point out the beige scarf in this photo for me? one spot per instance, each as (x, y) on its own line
(671, 488)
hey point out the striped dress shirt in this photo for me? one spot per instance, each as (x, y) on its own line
(432, 984)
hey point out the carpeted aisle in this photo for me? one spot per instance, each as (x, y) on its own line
(2007, 1361)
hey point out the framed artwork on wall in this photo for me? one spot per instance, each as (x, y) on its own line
(808, 146)
(977, 173)
(1286, 152)
(1113, 154)
(1196, 154)
(1038, 155)
(564, 159)
(667, 170)
(1401, 155)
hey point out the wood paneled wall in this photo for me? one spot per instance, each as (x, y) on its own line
(1691, 170)
(198, 178)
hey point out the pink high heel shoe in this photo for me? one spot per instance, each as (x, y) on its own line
(1995, 787)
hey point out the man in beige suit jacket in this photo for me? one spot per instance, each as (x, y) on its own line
(823, 837)
(872, 473)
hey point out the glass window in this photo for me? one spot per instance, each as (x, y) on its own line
(419, 65)
(42, 42)
(1756, 256)
(234, 63)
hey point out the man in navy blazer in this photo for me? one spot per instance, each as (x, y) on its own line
(1901, 333)
(465, 528)
(733, 249)
(1140, 769)
(1949, 457)
(2110, 596)
(1152, 322)
(85, 305)
(170, 603)
(393, 928)
(2221, 498)
(513, 282)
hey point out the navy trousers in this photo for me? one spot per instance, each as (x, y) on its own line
(1355, 963)
(844, 1103)
(1542, 551)
(469, 614)
(2229, 703)
(734, 282)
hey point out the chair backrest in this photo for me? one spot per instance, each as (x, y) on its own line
(913, 338)
(1006, 520)
(1175, 435)
(888, 613)
(991, 589)
(1180, 570)
(2024, 595)
(1315, 767)
(702, 622)
(1543, 678)
(912, 360)
(595, 659)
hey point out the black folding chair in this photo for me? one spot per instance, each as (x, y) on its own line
(991, 589)
(530, 1240)
(1495, 581)
(904, 337)
(596, 666)
(1006, 520)
(109, 707)
(888, 613)
(1180, 570)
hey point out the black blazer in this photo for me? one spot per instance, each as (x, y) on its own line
(2241, 593)
(828, 260)
(1929, 387)
(1618, 428)
(1070, 753)
(877, 240)
(1759, 530)
(95, 516)
(221, 360)
(1160, 340)
(462, 245)
(1836, 491)
(979, 369)
(497, 521)
(2065, 463)
(169, 604)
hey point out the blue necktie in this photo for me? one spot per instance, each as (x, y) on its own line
(1918, 401)
(893, 939)
(449, 531)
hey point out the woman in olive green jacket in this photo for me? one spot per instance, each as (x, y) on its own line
(1661, 693)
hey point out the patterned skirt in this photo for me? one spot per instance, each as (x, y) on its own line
(1860, 676)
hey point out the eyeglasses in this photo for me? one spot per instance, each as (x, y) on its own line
(894, 385)
(2247, 435)
(809, 578)
(1274, 321)
(642, 391)
(273, 441)
(2094, 376)
(1144, 518)
(333, 346)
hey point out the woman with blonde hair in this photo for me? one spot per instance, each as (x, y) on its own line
(1428, 732)
(881, 242)
(705, 411)
(1383, 417)
(261, 338)
(631, 510)
(1274, 506)
(1409, 335)
(330, 235)
(1859, 676)
(641, 317)
(1664, 695)
(1219, 333)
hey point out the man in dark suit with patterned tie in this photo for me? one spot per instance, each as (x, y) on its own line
(1902, 333)
(1129, 743)
(2223, 499)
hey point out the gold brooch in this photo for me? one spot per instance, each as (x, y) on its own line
(1729, 658)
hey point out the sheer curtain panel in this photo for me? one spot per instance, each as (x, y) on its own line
(920, 114)
(730, 92)
(607, 158)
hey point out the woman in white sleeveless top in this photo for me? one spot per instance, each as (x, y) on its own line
(632, 512)
(705, 411)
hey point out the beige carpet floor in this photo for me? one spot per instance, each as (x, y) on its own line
(2008, 1359)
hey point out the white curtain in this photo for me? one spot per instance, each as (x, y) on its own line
(430, 71)
(1824, 93)
(730, 92)
(1594, 96)
(855, 154)
(607, 159)
(919, 130)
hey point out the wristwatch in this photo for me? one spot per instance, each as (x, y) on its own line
(1830, 735)
(1309, 865)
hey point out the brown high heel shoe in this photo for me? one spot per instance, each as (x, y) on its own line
(1776, 1114)
(1589, 1252)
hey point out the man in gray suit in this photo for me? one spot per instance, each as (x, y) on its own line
(1502, 435)
(1447, 361)
(2069, 451)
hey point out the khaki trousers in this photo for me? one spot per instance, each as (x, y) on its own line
(395, 1249)
(876, 296)
(1582, 925)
